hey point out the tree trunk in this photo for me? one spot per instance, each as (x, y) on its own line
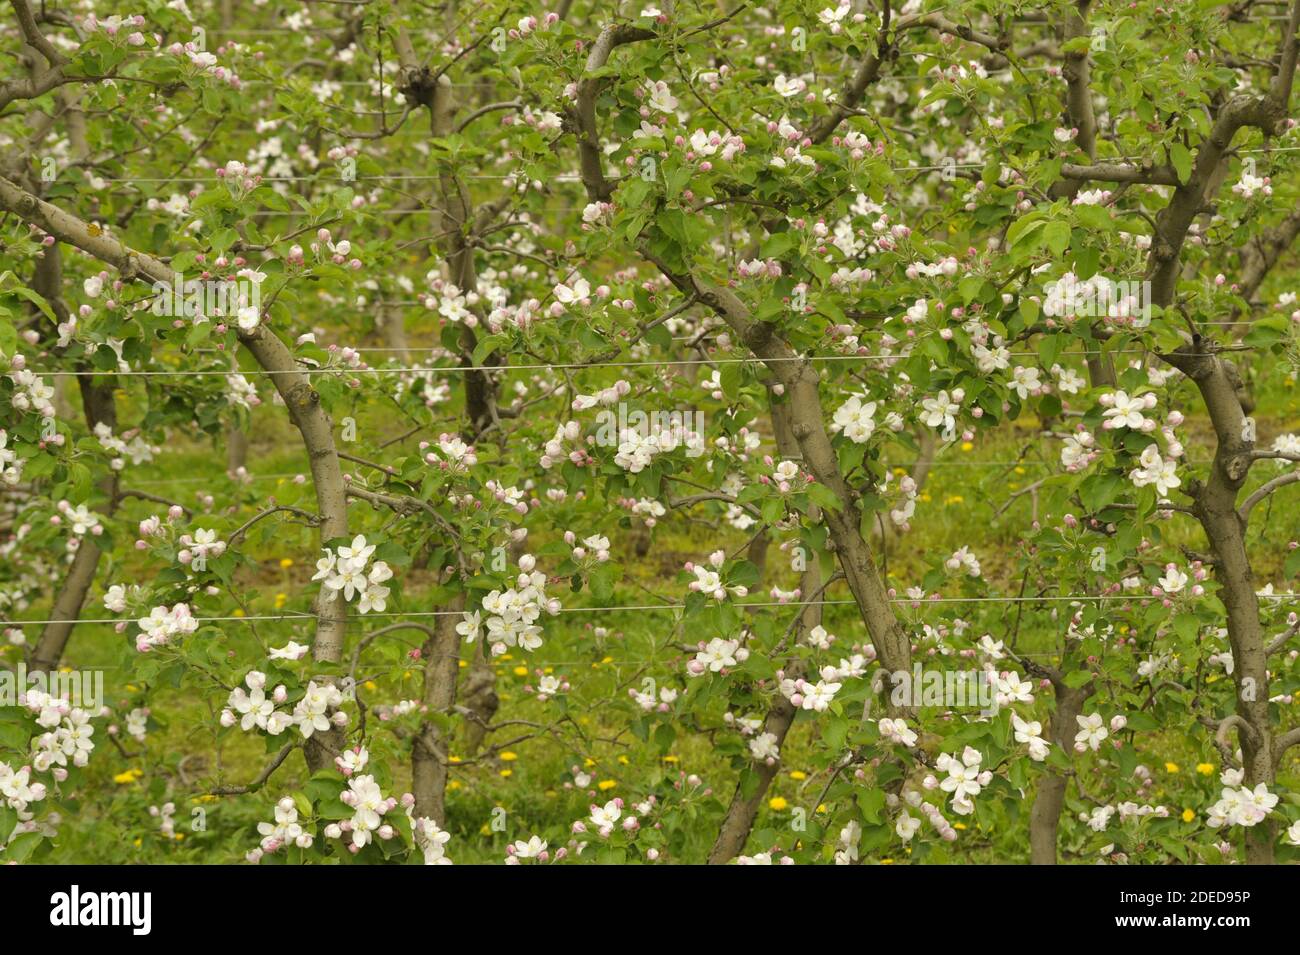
(1215, 506)
(236, 448)
(1045, 816)
(98, 407)
(429, 751)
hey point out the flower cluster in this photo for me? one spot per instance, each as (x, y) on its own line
(716, 655)
(158, 629)
(897, 731)
(965, 778)
(1249, 185)
(70, 736)
(855, 419)
(1162, 473)
(453, 454)
(198, 547)
(708, 579)
(1030, 732)
(80, 520)
(138, 450)
(1241, 807)
(284, 831)
(805, 695)
(315, 712)
(369, 806)
(1123, 411)
(637, 447)
(11, 468)
(512, 614)
(345, 572)
(1079, 451)
(431, 841)
(1092, 731)
(17, 788)
(31, 393)
(964, 561)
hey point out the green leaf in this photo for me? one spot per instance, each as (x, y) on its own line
(601, 580)
(1057, 236)
(871, 802)
(824, 497)
(22, 291)
(22, 847)
(1181, 158)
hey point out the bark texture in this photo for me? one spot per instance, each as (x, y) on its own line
(429, 751)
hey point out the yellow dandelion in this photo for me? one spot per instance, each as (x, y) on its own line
(507, 773)
(508, 757)
(128, 777)
(1205, 769)
(238, 612)
(371, 685)
(798, 774)
(286, 563)
(967, 446)
(886, 861)
(463, 664)
(280, 600)
(959, 825)
(777, 803)
(623, 761)
(454, 784)
(589, 762)
(822, 808)
(605, 785)
(1188, 815)
(1019, 470)
(454, 759)
(1171, 767)
(521, 671)
(672, 759)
